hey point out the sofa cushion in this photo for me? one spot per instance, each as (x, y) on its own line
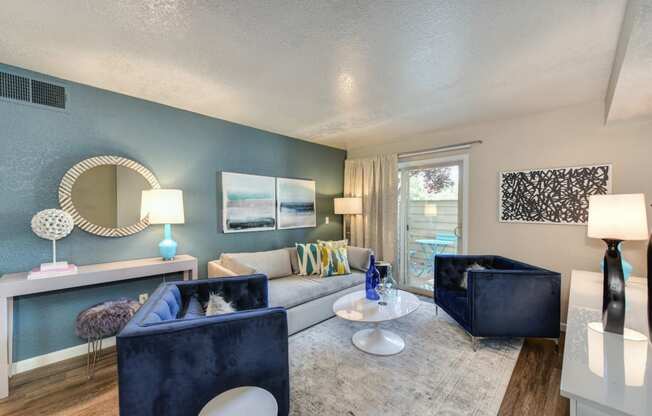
(273, 263)
(239, 269)
(294, 259)
(359, 257)
(295, 290)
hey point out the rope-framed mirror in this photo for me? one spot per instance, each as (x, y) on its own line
(103, 194)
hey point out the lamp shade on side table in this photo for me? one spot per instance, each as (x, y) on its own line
(164, 206)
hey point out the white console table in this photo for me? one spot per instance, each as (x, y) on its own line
(601, 374)
(17, 284)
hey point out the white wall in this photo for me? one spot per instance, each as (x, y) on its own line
(566, 137)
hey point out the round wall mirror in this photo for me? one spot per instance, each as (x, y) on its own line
(103, 195)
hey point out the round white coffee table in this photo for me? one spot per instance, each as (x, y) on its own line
(242, 401)
(356, 307)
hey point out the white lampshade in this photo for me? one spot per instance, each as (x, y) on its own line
(164, 206)
(618, 217)
(345, 206)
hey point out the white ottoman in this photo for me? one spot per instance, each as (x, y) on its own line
(249, 401)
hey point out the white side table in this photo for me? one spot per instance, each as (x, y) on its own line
(242, 401)
(606, 374)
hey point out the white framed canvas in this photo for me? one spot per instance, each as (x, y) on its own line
(296, 203)
(551, 196)
(248, 202)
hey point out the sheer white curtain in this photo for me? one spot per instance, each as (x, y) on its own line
(375, 180)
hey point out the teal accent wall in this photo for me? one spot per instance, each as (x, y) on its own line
(183, 149)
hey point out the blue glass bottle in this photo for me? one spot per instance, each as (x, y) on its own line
(372, 280)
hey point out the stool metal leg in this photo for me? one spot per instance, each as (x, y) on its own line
(94, 353)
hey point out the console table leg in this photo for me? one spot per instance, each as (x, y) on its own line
(4, 348)
(10, 332)
(190, 274)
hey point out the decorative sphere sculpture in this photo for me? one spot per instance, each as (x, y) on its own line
(52, 224)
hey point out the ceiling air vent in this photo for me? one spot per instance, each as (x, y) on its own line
(27, 90)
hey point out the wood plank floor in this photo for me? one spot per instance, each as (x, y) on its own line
(63, 389)
(534, 386)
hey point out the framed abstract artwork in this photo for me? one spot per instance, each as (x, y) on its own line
(296, 206)
(551, 196)
(248, 202)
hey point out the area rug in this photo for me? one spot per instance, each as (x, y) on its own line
(436, 374)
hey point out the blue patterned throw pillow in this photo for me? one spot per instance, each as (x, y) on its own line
(308, 259)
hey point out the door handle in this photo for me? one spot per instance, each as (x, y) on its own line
(458, 231)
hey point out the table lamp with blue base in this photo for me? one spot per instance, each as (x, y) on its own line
(164, 206)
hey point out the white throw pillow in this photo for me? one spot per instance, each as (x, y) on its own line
(217, 305)
(465, 280)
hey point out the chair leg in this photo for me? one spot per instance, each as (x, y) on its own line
(474, 342)
(436, 310)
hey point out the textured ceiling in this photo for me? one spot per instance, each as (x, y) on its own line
(343, 73)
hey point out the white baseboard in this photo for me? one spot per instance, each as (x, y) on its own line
(55, 357)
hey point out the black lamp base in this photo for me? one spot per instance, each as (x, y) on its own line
(613, 295)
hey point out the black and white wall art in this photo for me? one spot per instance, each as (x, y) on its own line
(551, 196)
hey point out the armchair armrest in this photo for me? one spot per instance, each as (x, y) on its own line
(514, 302)
(174, 368)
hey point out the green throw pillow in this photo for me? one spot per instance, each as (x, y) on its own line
(308, 259)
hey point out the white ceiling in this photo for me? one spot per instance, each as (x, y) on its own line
(342, 73)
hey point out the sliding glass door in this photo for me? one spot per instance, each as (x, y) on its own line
(431, 218)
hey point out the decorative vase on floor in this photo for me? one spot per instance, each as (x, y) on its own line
(372, 280)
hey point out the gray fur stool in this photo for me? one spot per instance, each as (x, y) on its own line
(100, 321)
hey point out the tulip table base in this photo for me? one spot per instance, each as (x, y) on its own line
(378, 341)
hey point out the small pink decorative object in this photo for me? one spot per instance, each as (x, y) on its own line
(40, 273)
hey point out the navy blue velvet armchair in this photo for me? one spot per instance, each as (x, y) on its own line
(507, 298)
(172, 360)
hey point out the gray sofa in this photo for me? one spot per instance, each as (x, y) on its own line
(307, 299)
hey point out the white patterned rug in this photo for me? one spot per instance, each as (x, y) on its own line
(437, 374)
